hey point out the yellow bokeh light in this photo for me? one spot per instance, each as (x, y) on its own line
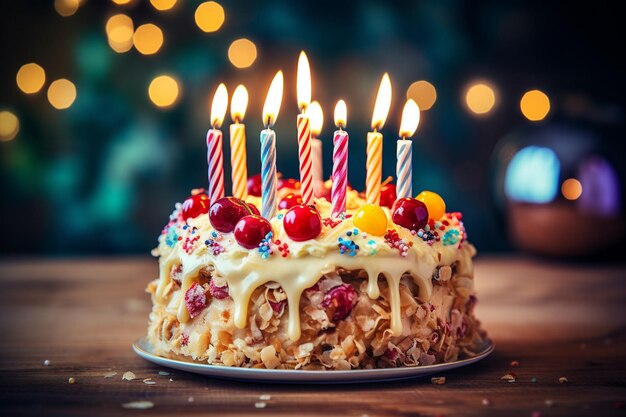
(9, 126)
(122, 2)
(66, 7)
(535, 105)
(30, 78)
(209, 16)
(480, 98)
(242, 53)
(163, 5)
(163, 91)
(571, 189)
(148, 39)
(61, 94)
(120, 30)
(423, 93)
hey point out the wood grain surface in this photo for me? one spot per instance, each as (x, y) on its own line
(556, 320)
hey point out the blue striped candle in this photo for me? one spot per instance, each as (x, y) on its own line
(404, 168)
(268, 173)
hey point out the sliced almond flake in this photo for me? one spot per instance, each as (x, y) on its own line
(110, 374)
(510, 377)
(129, 376)
(138, 405)
(265, 397)
(563, 380)
(163, 373)
(260, 405)
(149, 381)
(438, 380)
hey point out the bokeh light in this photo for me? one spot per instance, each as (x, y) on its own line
(61, 93)
(122, 2)
(164, 91)
(480, 98)
(30, 78)
(9, 126)
(571, 189)
(120, 30)
(163, 5)
(209, 16)
(423, 93)
(242, 53)
(535, 105)
(148, 39)
(66, 7)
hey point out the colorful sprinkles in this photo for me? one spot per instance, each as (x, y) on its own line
(348, 245)
(395, 242)
(213, 243)
(265, 247)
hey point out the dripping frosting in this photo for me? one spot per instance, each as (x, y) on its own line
(306, 262)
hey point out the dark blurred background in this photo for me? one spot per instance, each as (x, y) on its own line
(95, 164)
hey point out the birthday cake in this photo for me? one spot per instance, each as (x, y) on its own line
(386, 285)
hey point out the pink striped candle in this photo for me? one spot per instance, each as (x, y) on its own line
(215, 157)
(340, 161)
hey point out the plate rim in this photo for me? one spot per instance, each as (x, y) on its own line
(141, 348)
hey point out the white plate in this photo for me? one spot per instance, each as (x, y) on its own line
(143, 348)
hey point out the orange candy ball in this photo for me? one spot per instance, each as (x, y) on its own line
(371, 219)
(434, 203)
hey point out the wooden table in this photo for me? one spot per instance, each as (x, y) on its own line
(556, 320)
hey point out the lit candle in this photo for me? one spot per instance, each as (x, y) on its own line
(340, 160)
(404, 165)
(215, 157)
(375, 142)
(304, 129)
(317, 121)
(238, 157)
(268, 147)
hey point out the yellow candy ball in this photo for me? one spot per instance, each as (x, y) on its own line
(434, 203)
(371, 219)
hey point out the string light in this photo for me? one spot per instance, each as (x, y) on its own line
(571, 189)
(148, 39)
(480, 98)
(209, 16)
(423, 93)
(66, 7)
(61, 94)
(242, 53)
(163, 5)
(9, 126)
(30, 78)
(535, 105)
(120, 30)
(163, 91)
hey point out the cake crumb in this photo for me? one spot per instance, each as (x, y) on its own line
(510, 377)
(486, 402)
(149, 381)
(549, 403)
(514, 364)
(260, 405)
(129, 376)
(71, 380)
(171, 380)
(138, 405)
(190, 399)
(110, 374)
(46, 362)
(438, 380)
(163, 373)
(563, 380)
(265, 397)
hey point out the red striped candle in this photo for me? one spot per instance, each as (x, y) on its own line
(304, 154)
(215, 159)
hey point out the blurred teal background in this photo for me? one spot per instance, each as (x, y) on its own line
(102, 175)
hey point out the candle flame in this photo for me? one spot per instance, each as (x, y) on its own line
(383, 102)
(410, 119)
(303, 82)
(316, 115)
(341, 114)
(218, 106)
(239, 104)
(273, 100)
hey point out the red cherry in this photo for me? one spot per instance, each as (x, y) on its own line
(410, 213)
(251, 230)
(253, 209)
(388, 195)
(226, 212)
(302, 222)
(289, 201)
(255, 185)
(195, 205)
(288, 183)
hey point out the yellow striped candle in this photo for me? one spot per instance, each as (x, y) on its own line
(374, 163)
(238, 156)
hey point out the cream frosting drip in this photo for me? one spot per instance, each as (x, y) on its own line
(245, 270)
